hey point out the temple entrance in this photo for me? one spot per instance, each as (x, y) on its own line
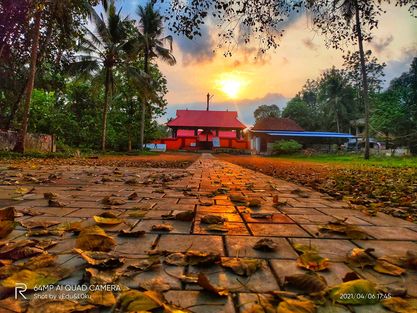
(205, 145)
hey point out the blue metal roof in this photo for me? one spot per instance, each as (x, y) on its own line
(304, 134)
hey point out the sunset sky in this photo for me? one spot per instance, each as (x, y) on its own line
(242, 82)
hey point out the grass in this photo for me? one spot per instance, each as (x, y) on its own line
(353, 159)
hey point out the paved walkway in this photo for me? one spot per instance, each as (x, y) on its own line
(163, 191)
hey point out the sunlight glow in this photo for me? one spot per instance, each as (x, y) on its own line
(231, 84)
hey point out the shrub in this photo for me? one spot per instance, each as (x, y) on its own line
(286, 147)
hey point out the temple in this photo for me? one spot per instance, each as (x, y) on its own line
(205, 130)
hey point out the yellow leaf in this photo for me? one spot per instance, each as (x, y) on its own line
(359, 291)
(312, 261)
(39, 277)
(385, 267)
(107, 220)
(296, 306)
(94, 238)
(136, 301)
(400, 305)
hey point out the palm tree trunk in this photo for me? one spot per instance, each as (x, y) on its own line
(107, 95)
(20, 146)
(364, 79)
(144, 104)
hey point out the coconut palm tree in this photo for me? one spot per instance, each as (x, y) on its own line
(103, 50)
(150, 43)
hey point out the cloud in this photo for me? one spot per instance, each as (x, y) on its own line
(380, 44)
(244, 107)
(199, 49)
(396, 67)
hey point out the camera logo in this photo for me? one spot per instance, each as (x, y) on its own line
(20, 288)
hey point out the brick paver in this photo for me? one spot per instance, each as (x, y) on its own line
(81, 190)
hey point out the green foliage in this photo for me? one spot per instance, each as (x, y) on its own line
(286, 147)
(298, 110)
(325, 104)
(395, 113)
(264, 111)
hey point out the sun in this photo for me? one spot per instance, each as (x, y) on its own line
(231, 84)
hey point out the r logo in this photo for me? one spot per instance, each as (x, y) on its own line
(20, 288)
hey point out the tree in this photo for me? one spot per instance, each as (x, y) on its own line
(298, 110)
(396, 109)
(104, 51)
(374, 70)
(60, 15)
(151, 44)
(264, 111)
(336, 97)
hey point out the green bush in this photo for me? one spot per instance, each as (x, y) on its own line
(286, 147)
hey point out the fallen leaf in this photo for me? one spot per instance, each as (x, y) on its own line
(239, 199)
(113, 201)
(99, 259)
(130, 233)
(312, 261)
(133, 196)
(399, 305)
(57, 306)
(189, 278)
(265, 244)
(306, 283)
(138, 213)
(31, 212)
(340, 227)
(132, 181)
(359, 291)
(101, 220)
(33, 278)
(102, 298)
(217, 228)
(177, 258)
(385, 267)
(93, 238)
(7, 214)
(213, 219)
(137, 301)
(50, 195)
(302, 248)
(6, 227)
(44, 232)
(203, 281)
(55, 203)
(96, 276)
(350, 276)
(242, 266)
(29, 224)
(20, 250)
(300, 193)
(11, 305)
(254, 203)
(360, 257)
(186, 216)
(261, 215)
(162, 227)
(144, 265)
(411, 259)
(296, 306)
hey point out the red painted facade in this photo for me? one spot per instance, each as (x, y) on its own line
(201, 130)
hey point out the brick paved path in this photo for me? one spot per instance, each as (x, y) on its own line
(83, 188)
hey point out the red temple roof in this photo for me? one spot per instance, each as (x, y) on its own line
(202, 119)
